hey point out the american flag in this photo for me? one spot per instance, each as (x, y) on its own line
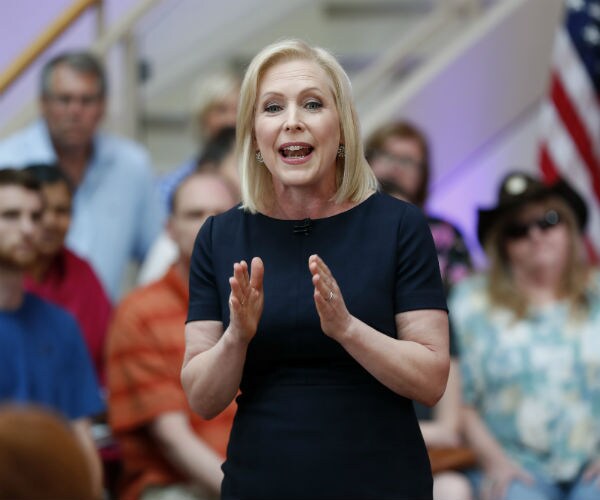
(570, 145)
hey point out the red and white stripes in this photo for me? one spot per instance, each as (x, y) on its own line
(570, 128)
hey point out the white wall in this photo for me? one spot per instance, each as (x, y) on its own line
(474, 183)
(478, 102)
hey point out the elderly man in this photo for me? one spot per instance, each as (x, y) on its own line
(117, 213)
(42, 354)
(167, 449)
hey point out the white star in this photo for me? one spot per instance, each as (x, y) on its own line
(591, 34)
(575, 4)
(516, 185)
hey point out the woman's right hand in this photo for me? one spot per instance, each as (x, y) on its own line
(246, 299)
(498, 476)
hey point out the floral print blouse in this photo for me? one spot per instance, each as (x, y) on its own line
(535, 382)
(453, 255)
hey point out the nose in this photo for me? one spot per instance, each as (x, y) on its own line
(75, 107)
(534, 232)
(28, 225)
(292, 119)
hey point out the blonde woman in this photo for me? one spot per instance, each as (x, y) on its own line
(319, 301)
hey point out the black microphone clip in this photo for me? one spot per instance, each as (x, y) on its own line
(303, 227)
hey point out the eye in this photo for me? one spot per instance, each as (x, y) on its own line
(313, 105)
(10, 215)
(272, 108)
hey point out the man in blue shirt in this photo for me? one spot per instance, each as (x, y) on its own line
(116, 209)
(42, 354)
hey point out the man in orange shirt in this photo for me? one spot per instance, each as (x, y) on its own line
(166, 448)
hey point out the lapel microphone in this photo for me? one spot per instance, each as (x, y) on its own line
(303, 227)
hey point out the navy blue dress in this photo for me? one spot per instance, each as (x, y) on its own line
(311, 422)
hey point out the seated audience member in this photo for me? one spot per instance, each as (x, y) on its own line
(42, 354)
(59, 275)
(399, 155)
(167, 449)
(219, 156)
(116, 209)
(40, 457)
(214, 103)
(529, 351)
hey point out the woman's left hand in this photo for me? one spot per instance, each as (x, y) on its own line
(592, 472)
(335, 318)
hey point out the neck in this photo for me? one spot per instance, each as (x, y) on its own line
(183, 269)
(296, 203)
(541, 287)
(73, 161)
(40, 269)
(11, 288)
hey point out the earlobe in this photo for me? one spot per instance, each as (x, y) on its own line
(169, 229)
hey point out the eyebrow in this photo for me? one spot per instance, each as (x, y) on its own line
(303, 91)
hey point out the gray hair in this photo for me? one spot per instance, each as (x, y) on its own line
(82, 62)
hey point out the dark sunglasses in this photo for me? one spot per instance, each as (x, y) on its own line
(520, 230)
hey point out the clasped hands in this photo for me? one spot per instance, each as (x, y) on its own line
(246, 299)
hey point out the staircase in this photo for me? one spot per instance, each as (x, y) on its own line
(469, 72)
(356, 31)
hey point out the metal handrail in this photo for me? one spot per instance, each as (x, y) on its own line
(31, 53)
(124, 26)
(113, 35)
(379, 69)
(383, 65)
(387, 62)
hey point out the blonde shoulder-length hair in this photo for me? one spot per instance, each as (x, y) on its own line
(501, 287)
(355, 179)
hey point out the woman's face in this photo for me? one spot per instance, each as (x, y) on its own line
(537, 239)
(400, 161)
(296, 126)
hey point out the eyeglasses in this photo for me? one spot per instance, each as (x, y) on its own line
(65, 100)
(401, 161)
(517, 231)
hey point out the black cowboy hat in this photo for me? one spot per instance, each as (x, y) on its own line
(519, 188)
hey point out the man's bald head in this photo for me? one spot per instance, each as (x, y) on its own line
(198, 196)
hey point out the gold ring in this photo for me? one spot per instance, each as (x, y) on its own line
(330, 296)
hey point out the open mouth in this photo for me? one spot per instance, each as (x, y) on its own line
(296, 150)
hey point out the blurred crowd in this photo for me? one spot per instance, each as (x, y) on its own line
(99, 358)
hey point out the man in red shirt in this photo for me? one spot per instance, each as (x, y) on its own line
(59, 275)
(166, 448)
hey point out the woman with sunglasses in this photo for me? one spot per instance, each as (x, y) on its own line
(529, 338)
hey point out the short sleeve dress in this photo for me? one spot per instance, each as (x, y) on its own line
(311, 421)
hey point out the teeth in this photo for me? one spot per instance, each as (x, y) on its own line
(296, 151)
